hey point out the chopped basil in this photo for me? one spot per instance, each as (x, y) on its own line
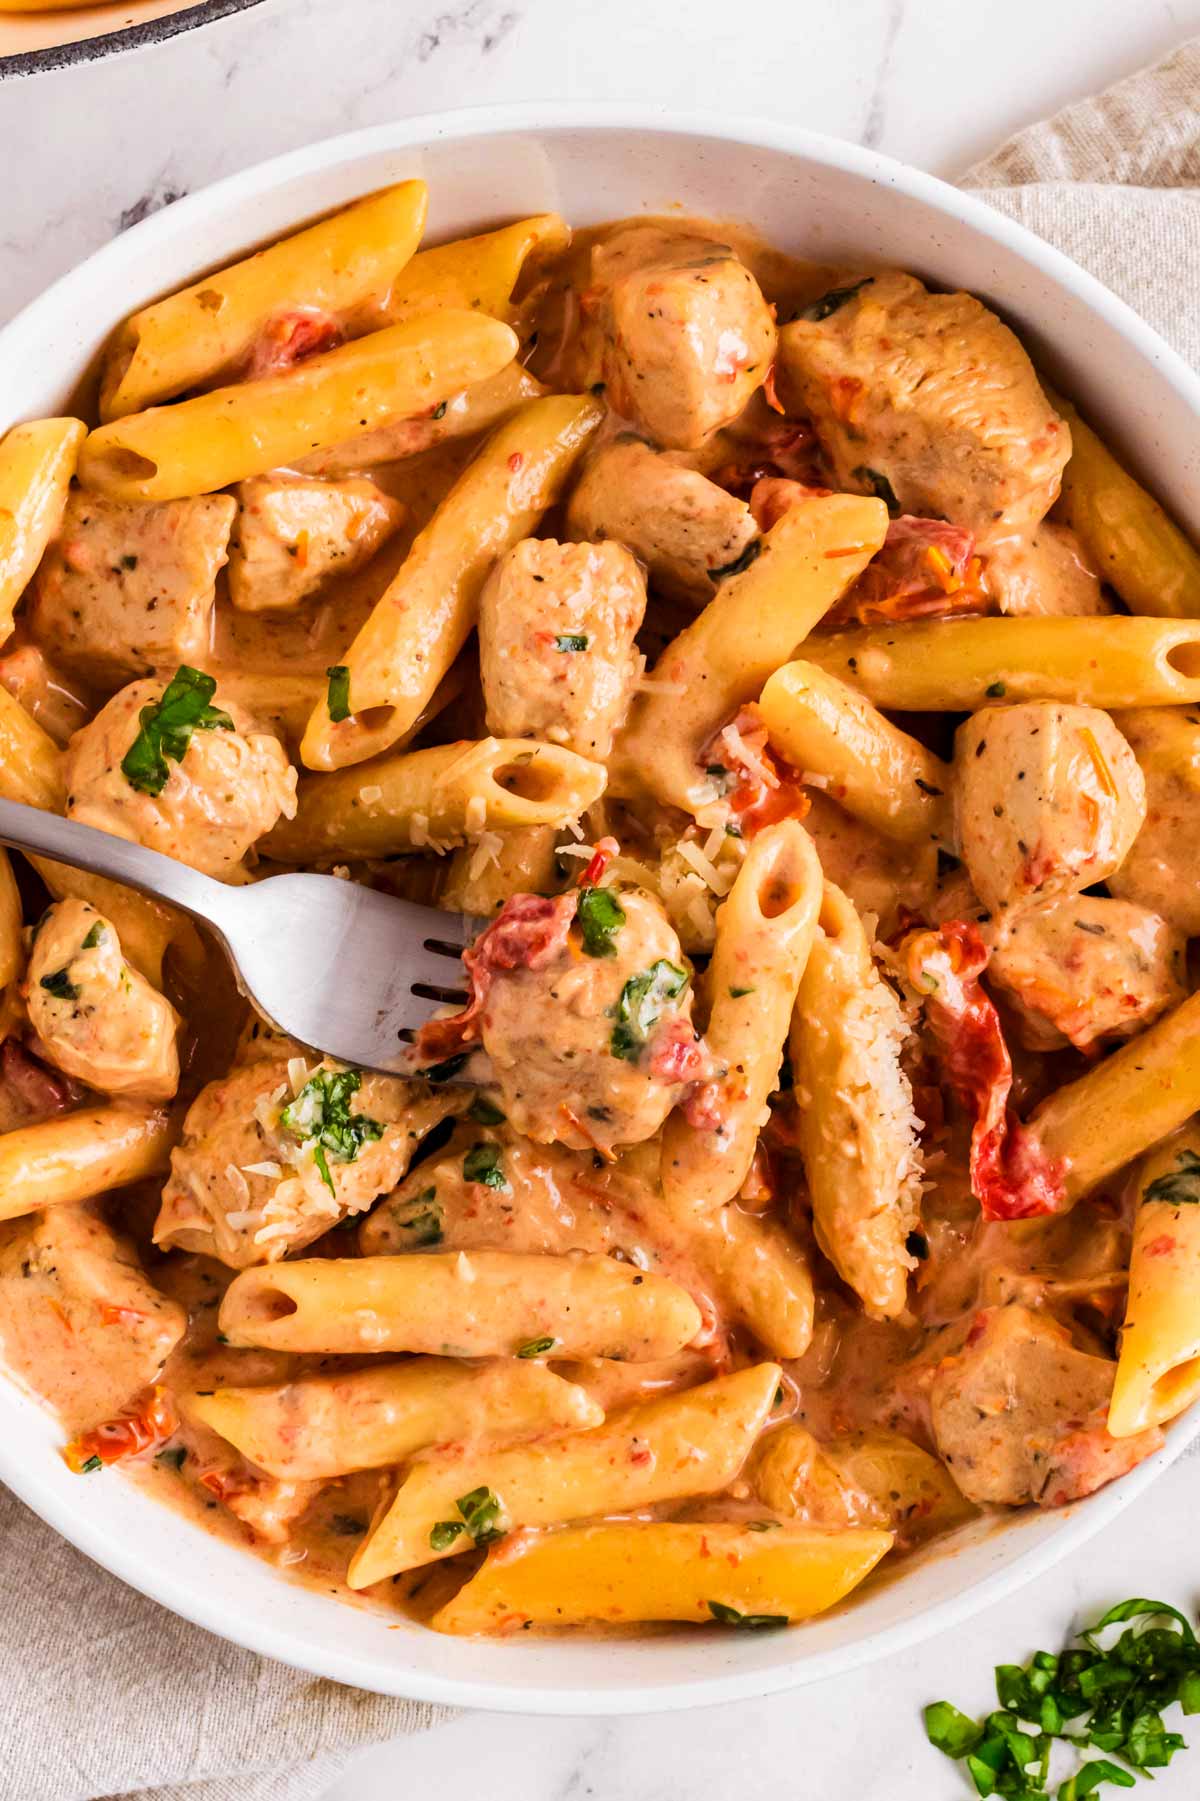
(92, 1464)
(94, 936)
(447, 1069)
(819, 309)
(599, 914)
(338, 695)
(571, 641)
(740, 564)
(60, 985)
(485, 1112)
(1181, 1185)
(445, 1533)
(166, 727)
(641, 1005)
(320, 1116)
(749, 1622)
(735, 994)
(482, 1164)
(425, 1220)
(880, 487)
(481, 1513)
(537, 1347)
(996, 691)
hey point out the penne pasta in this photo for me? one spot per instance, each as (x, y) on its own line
(77, 1155)
(230, 434)
(37, 462)
(686, 1444)
(474, 273)
(1158, 1369)
(31, 764)
(424, 617)
(455, 1304)
(12, 945)
(476, 409)
(319, 1427)
(722, 659)
(629, 1571)
(207, 329)
(1134, 1098)
(878, 773)
(855, 1123)
(1134, 544)
(758, 1272)
(433, 799)
(957, 665)
(484, 875)
(764, 931)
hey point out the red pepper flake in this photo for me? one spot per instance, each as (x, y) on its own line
(516, 461)
(1162, 1246)
(121, 1316)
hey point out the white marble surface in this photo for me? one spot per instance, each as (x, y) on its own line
(936, 82)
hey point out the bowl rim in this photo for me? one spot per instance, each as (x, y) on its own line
(113, 43)
(187, 1598)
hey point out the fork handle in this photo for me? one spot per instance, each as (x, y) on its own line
(83, 847)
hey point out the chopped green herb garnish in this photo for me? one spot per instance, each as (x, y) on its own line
(733, 831)
(880, 487)
(320, 1116)
(94, 936)
(1180, 1186)
(599, 914)
(337, 698)
(165, 728)
(447, 1069)
(445, 1533)
(482, 1164)
(439, 411)
(92, 1464)
(426, 1219)
(641, 1004)
(740, 564)
(60, 985)
(485, 1112)
(537, 1347)
(816, 310)
(749, 1622)
(1109, 1700)
(571, 641)
(735, 994)
(996, 691)
(481, 1512)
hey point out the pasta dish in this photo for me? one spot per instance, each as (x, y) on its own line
(804, 700)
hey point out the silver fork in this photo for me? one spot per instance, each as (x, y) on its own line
(342, 968)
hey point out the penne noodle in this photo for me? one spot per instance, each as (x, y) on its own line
(459, 1304)
(435, 798)
(1133, 542)
(230, 434)
(957, 665)
(37, 462)
(877, 772)
(207, 329)
(758, 1272)
(483, 876)
(12, 944)
(31, 764)
(77, 1155)
(1158, 1369)
(622, 1572)
(764, 932)
(686, 1444)
(1127, 1103)
(478, 274)
(722, 659)
(319, 1427)
(425, 615)
(476, 409)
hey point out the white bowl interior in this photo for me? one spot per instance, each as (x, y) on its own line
(810, 196)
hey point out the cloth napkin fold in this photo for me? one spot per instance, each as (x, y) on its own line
(108, 1694)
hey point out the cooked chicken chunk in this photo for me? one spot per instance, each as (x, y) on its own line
(1019, 1414)
(881, 876)
(1162, 870)
(682, 526)
(79, 1320)
(227, 790)
(96, 1018)
(1049, 799)
(1044, 571)
(291, 537)
(931, 393)
(556, 642)
(688, 336)
(1084, 969)
(262, 1167)
(126, 589)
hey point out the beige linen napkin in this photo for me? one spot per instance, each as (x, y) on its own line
(104, 1690)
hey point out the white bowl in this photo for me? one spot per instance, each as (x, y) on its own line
(810, 195)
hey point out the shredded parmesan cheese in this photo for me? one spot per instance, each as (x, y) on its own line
(648, 685)
(368, 796)
(476, 816)
(719, 880)
(486, 851)
(266, 1168)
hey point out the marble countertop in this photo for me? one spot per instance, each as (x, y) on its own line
(89, 151)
